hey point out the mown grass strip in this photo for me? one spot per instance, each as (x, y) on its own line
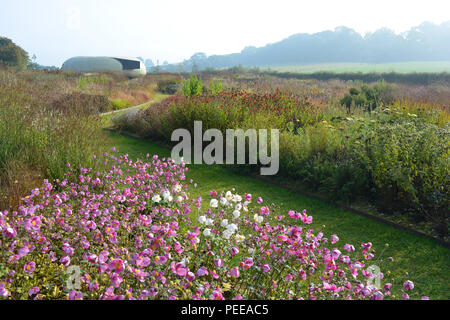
(416, 258)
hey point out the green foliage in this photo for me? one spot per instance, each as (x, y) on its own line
(11, 55)
(168, 86)
(215, 86)
(118, 104)
(394, 158)
(39, 137)
(193, 86)
(368, 97)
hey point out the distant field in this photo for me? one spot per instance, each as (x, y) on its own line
(400, 67)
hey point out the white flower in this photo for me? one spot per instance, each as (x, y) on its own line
(169, 199)
(237, 198)
(202, 219)
(156, 198)
(251, 250)
(209, 222)
(223, 201)
(207, 232)
(239, 238)
(179, 198)
(214, 203)
(166, 195)
(229, 195)
(177, 188)
(245, 208)
(227, 234)
(236, 214)
(258, 218)
(224, 223)
(232, 227)
(238, 206)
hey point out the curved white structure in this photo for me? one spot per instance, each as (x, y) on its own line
(130, 67)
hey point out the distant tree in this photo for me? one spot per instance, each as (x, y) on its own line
(426, 42)
(11, 55)
(142, 59)
(32, 64)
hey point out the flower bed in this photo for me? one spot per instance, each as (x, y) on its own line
(134, 233)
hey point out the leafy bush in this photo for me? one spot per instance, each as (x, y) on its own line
(394, 157)
(138, 235)
(11, 55)
(168, 86)
(368, 97)
(193, 86)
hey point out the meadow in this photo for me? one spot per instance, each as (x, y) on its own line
(153, 229)
(399, 67)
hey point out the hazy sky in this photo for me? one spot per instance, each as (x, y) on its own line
(56, 30)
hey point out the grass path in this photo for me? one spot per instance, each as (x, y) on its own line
(107, 116)
(415, 258)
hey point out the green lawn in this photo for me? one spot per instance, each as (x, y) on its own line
(415, 258)
(400, 67)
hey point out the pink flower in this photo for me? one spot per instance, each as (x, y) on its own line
(306, 219)
(203, 271)
(218, 262)
(234, 272)
(65, 261)
(266, 268)
(33, 291)
(234, 251)
(160, 259)
(92, 258)
(179, 269)
(190, 276)
(116, 280)
(75, 295)
(259, 200)
(9, 232)
(216, 295)
(377, 296)
(334, 239)
(294, 215)
(116, 265)
(264, 211)
(335, 254)
(213, 193)
(29, 267)
(349, 247)
(408, 285)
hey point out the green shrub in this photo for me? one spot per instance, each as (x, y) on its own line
(368, 97)
(168, 86)
(192, 86)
